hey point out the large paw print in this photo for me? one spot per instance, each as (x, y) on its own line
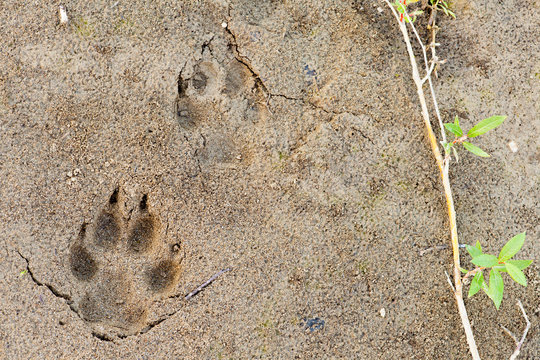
(121, 267)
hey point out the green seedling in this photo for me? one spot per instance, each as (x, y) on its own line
(442, 5)
(481, 128)
(401, 7)
(496, 266)
(22, 273)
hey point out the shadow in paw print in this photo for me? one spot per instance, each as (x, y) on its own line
(204, 80)
(162, 276)
(133, 269)
(237, 79)
(83, 266)
(186, 113)
(143, 232)
(195, 93)
(199, 81)
(107, 231)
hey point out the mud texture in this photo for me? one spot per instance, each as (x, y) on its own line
(148, 145)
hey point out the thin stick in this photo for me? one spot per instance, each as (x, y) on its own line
(520, 342)
(208, 282)
(449, 281)
(446, 184)
(438, 247)
(428, 73)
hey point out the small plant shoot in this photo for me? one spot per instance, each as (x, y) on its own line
(491, 281)
(496, 265)
(479, 129)
(401, 7)
(443, 5)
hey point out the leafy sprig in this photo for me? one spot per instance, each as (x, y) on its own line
(443, 5)
(496, 265)
(479, 129)
(401, 7)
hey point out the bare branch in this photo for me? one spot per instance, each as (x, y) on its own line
(450, 282)
(208, 282)
(520, 342)
(443, 169)
(428, 72)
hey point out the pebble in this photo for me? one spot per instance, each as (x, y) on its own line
(513, 146)
(63, 15)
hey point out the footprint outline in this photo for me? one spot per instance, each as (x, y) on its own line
(113, 298)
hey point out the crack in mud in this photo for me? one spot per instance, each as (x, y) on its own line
(244, 60)
(69, 302)
(59, 295)
(206, 45)
(51, 288)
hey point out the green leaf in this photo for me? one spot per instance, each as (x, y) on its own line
(512, 247)
(478, 246)
(476, 283)
(485, 125)
(464, 271)
(473, 251)
(456, 121)
(500, 267)
(485, 260)
(516, 274)
(520, 264)
(399, 7)
(454, 129)
(475, 149)
(485, 288)
(496, 287)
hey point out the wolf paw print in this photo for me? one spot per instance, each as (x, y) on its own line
(121, 267)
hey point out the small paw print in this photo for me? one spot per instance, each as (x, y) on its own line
(121, 267)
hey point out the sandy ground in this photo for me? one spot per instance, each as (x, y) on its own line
(147, 145)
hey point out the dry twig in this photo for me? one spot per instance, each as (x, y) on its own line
(208, 282)
(520, 342)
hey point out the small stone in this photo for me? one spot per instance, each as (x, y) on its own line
(63, 15)
(76, 172)
(70, 174)
(379, 9)
(224, 25)
(382, 312)
(513, 146)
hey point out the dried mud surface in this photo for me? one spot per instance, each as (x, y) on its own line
(148, 145)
